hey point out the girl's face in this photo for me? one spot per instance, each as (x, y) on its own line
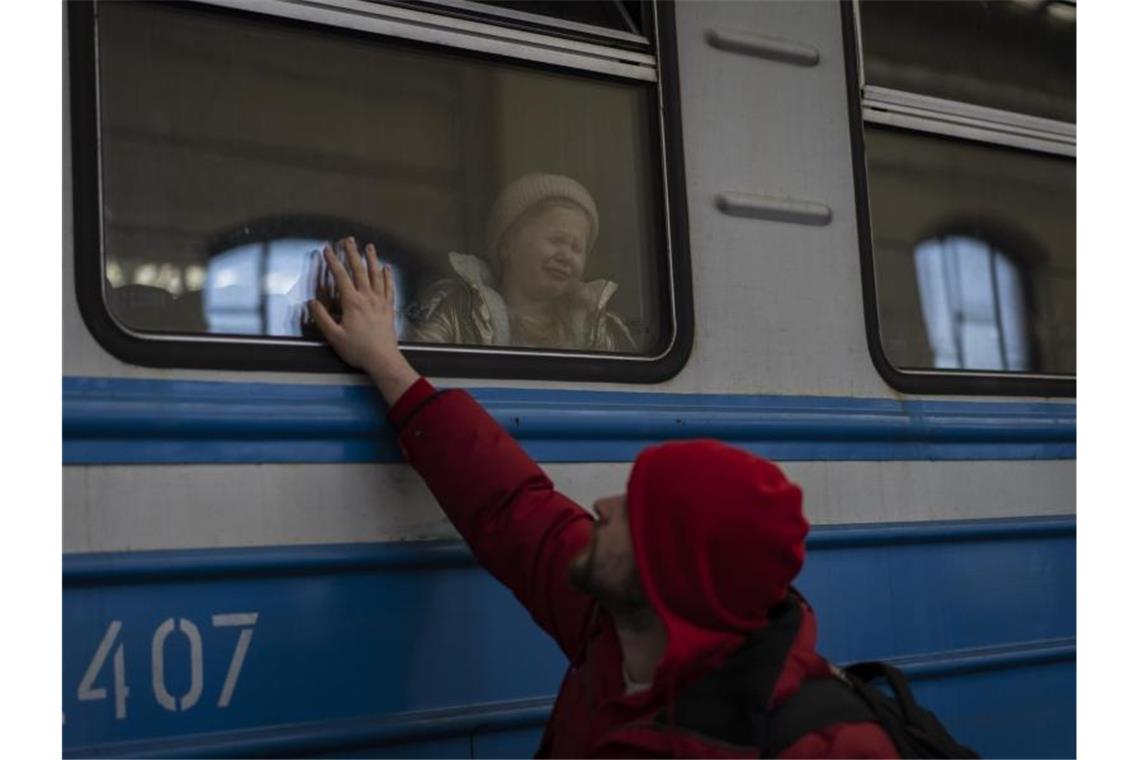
(545, 255)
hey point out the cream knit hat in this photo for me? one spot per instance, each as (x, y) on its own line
(527, 191)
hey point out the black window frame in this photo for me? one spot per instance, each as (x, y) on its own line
(268, 355)
(932, 381)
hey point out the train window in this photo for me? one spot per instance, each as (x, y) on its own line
(967, 174)
(975, 242)
(521, 202)
(1014, 55)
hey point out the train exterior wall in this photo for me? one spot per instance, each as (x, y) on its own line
(203, 509)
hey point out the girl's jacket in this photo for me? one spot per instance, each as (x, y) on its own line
(525, 533)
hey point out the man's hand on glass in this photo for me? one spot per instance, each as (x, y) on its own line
(365, 335)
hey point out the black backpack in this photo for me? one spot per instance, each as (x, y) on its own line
(915, 731)
(729, 703)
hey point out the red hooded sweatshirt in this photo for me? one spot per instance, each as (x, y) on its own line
(717, 537)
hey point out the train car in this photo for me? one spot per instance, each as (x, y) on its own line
(839, 235)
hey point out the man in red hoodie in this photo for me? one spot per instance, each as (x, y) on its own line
(673, 607)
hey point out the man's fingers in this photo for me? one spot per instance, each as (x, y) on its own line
(389, 286)
(324, 321)
(375, 275)
(343, 281)
(359, 275)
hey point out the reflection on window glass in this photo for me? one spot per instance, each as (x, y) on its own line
(517, 206)
(975, 254)
(1016, 55)
(232, 298)
(263, 288)
(972, 305)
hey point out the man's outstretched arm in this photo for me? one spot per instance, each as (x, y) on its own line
(519, 528)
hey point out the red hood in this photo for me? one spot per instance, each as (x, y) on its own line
(718, 535)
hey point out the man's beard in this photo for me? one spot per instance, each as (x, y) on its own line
(625, 599)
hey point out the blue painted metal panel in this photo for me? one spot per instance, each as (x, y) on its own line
(151, 421)
(1003, 591)
(455, 747)
(412, 650)
(521, 742)
(325, 647)
(1028, 711)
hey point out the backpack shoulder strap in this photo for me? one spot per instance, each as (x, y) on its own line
(819, 703)
(915, 730)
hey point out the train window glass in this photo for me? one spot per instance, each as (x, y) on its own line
(974, 252)
(262, 288)
(972, 305)
(520, 205)
(1013, 55)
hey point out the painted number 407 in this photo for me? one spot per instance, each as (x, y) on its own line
(88, 691)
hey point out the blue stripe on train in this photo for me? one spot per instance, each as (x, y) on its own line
(157, 421)
(412, 650)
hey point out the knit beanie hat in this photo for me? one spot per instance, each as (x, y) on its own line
(526, 192)
(718, 535)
